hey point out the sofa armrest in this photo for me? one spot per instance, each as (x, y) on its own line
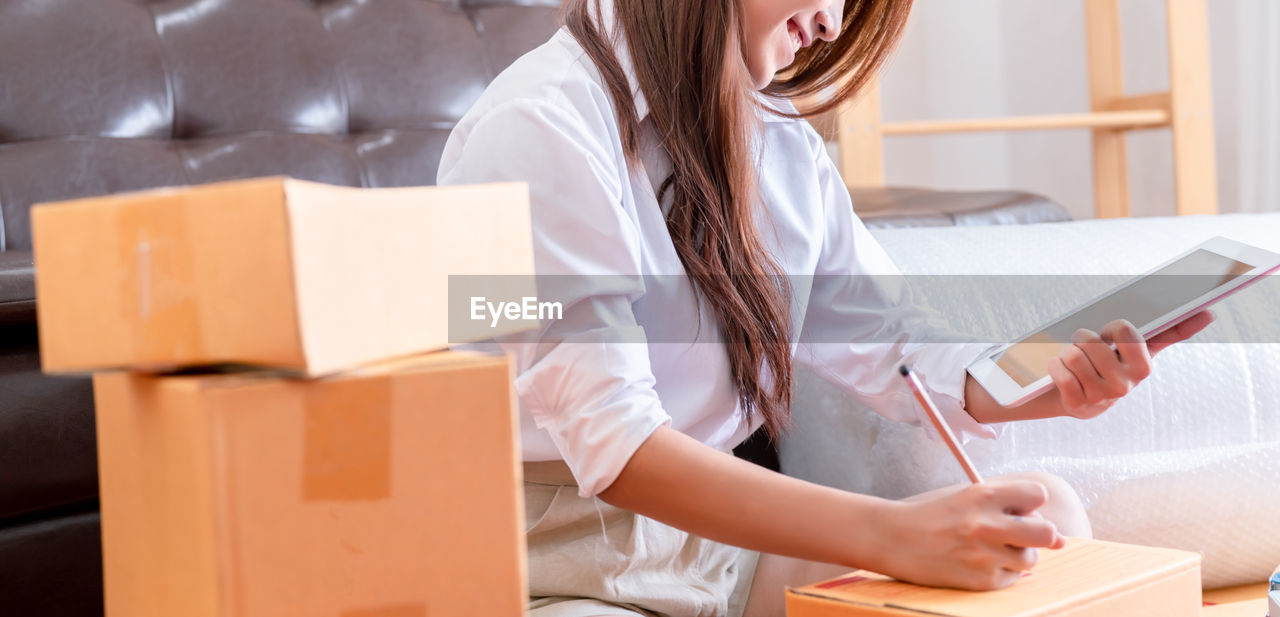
(890, 207)
(17, 288)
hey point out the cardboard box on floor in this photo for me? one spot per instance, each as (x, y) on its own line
(389, 492)
(1088, 578)
(1244, 608)
(271, 271)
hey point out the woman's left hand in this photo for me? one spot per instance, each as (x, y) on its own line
(1090, 375)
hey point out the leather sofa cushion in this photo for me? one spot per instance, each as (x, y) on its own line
(17, 287)
(53, 567)
(190, 91)
(48, 452)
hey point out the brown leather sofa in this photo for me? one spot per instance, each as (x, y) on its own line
(105, 96)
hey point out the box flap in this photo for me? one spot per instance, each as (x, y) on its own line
(209, 377)
(1082, 570)
(389, 253)
(125, 197)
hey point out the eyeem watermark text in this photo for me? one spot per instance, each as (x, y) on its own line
(528, 308)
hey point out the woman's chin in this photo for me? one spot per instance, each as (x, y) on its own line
(775, 68)
(764, 75)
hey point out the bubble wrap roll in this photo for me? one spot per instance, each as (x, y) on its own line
(1190, 459)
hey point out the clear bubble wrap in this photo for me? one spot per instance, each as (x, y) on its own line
(1190, 459)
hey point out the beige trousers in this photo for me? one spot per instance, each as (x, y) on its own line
(588, 558)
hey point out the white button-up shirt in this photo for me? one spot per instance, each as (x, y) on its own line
(633, 352)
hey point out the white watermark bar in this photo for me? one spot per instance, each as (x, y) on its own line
(839, 309)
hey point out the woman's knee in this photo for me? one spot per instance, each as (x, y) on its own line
(1063, 506)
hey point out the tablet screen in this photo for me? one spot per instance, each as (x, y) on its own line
(1142, 302)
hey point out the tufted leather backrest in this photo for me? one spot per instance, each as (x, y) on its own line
(102, 96)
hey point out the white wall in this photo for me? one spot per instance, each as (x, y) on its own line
(978, 58)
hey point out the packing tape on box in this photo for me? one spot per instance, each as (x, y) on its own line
(161, 279)
(1190, 459)
(347, 442)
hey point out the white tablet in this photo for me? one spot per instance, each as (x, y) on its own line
(1153, 303)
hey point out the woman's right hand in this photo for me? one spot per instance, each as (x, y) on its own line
(980, 537)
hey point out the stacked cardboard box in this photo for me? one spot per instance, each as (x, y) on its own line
(275, 436)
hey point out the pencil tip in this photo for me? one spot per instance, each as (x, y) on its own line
(904, 370)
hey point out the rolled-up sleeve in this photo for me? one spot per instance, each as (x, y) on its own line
(584, 378)
(862, 322)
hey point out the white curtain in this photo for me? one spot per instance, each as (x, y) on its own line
(1252, 179)
(976, 58)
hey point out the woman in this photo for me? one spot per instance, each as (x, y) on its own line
(699, 240)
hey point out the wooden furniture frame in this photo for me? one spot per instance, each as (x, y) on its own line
(1186, 109)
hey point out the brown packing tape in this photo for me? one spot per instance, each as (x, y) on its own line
(158, 290)
(404, 610)
(347, 440)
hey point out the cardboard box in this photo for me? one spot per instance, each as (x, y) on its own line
(272, 271)
(392, 492)
(1088, 578)
(1243, 608)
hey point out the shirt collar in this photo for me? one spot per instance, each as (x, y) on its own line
(623, 53)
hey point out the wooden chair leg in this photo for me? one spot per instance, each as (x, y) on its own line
(1106, 85)
(861, 139)
(1195, 165)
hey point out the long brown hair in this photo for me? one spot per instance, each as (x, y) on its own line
(688, 59)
